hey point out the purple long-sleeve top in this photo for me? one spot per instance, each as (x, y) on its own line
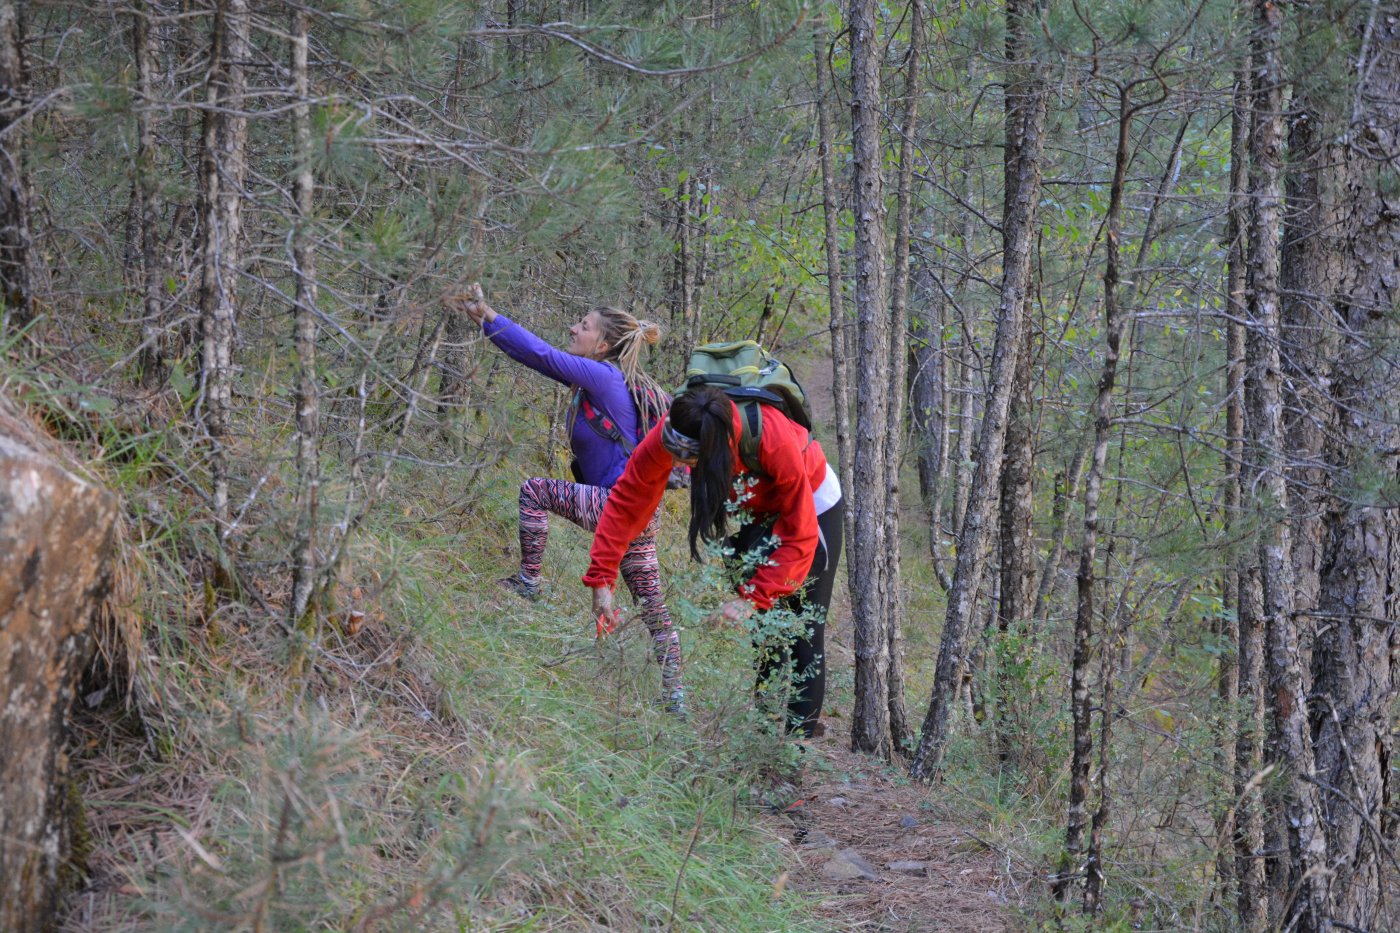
(600, 461)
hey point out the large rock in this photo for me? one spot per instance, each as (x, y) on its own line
(55, 544)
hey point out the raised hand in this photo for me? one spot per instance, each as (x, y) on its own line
(471, 302)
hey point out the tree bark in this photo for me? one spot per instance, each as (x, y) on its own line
(1310, 277)
(831, 209)
(964, 398)
(973, 540)
(1081, 712)
(308, 411)
(928, 400)
(224, 163)
(870, 716)
(1238, 826)
(1016, 547)
(1357, 650)
(898, 372)
(54, 571)
(16, 279)
(1305, 882)
(151, 362)
(1017, 584)
(1066, 491)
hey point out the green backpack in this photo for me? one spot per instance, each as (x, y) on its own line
(752, 378)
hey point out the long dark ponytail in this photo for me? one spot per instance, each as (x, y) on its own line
(706, 414)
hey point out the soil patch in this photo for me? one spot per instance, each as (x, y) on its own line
(856, 830)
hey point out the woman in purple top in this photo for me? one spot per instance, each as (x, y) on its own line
(602, 362)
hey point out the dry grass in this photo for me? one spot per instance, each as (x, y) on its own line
(230, 812)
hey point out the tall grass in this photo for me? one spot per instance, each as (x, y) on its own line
(455, 759)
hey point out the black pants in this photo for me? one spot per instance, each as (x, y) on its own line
(805, 653)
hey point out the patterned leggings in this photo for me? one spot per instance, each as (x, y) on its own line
(583, 505)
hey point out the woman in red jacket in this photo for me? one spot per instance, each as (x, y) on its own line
(793, 504)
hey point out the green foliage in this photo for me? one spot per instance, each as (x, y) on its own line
(558, 163)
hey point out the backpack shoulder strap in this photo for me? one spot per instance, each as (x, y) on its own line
(750, 429)
(645, 409)
(598, 420)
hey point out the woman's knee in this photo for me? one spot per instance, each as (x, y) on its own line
(532, 492)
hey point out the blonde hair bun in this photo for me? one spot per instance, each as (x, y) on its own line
(649, 331)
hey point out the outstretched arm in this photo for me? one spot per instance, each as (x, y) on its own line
(598, 379)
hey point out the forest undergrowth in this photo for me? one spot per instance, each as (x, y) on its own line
(456, 758)
(453, 757)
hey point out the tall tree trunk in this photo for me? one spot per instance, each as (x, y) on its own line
(870, 717)
(1081, 712)
(1310, 277)
(928, 401)
(1305, 891)
(831, 209)
(308, 413)
(1236, 861)
(224, 163)
(689, 203)
(1251, 841)
(1252, 896)
(1017, 585)
(1357, 650)
(900, 730)
(964, 398)
(16, 281)
(151, 362)
(1019, 227)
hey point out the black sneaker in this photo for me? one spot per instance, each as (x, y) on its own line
(519, 587)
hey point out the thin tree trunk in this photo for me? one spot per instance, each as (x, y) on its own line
(1252, 896)
(928, 400)
(1066, 491)
(684, 326)
(973, 541)
(1081, 712)
(1017, 584)
(151, 362)
(308, 414)
(1229, 868)
(1305, 893)
(224, 163)
(16, 279)
(1251, 842)
(963, 396)
(840, 358)
(684, 261)
(1015, 514)
(900, 730)
(870, 723)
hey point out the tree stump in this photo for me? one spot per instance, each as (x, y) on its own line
(56, 535)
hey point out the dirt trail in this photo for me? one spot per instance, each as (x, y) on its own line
(911, 870)
(858, 830)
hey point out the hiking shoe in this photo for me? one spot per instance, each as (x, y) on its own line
(675, 705)
(520, 587)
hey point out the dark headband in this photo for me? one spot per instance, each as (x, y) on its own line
(680, 445)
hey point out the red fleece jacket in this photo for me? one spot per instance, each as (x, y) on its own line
(795, 466)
